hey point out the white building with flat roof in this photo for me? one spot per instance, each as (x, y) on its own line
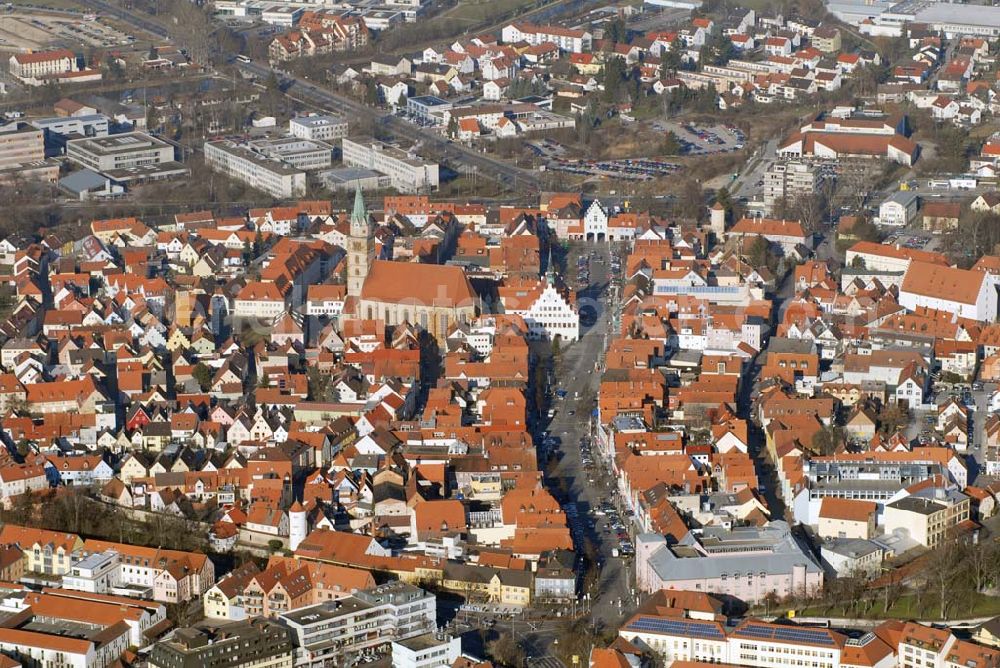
(97, 573)
(257, 171)
(319, 127)
(89, 125)
(430, 650)
(885, 17)
(409, 174)
(282, 15)
(131, 156)
(303, 154)
(326, 632)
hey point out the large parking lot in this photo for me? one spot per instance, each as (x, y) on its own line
(697, 140)
(22, 31)
(547, 148)
(632, 169)
(913, 239)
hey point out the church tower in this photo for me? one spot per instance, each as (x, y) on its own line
(360, 246)
(298, 525)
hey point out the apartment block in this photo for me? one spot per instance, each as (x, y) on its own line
(20, 144)
(323, 634)
(97, 573)
(22, 154)
(46, 552)
(243, 164)
(408, 173)
(789, 181)
(567, 39)
(255, 643)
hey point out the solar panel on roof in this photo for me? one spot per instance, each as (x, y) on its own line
(803, 635)
(676, 627)
(785, 633)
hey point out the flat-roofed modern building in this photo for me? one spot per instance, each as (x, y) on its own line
(428, 108)
(92, 125)
(60, 129)
(409, 174)
(255, 643)
(22, 154)
(256, 170)
(132, 156)
(299, 153)
(97, 573)
(20, 144)
(928, 520)
(354, 178)
(322, 128)
(426, 651)
(744, 562)
(326, 633)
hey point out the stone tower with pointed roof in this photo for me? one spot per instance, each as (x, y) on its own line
(360, 246)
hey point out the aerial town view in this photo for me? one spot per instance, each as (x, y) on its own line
(499, 334)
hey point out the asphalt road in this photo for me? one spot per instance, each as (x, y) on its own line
(132, 18)
(745, 184)
(612, 596)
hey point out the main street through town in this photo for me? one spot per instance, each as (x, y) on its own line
(577, 373)
(608, 598)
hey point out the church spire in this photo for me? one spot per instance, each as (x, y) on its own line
(360, 213)
(360, 246)
(550, 268)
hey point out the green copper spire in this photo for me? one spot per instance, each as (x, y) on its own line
(360, 214)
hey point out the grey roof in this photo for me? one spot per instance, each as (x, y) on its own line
(319, 120)
(852, 548)
(903, 197)
(952, 14)
(780, 344)
(83, 181)
(44, 123)
(949, 495)
(916, 504)
(771, 550)
(344, 174)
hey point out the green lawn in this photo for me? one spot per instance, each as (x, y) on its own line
(906, 608)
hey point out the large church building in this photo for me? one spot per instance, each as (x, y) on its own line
(430, 296)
